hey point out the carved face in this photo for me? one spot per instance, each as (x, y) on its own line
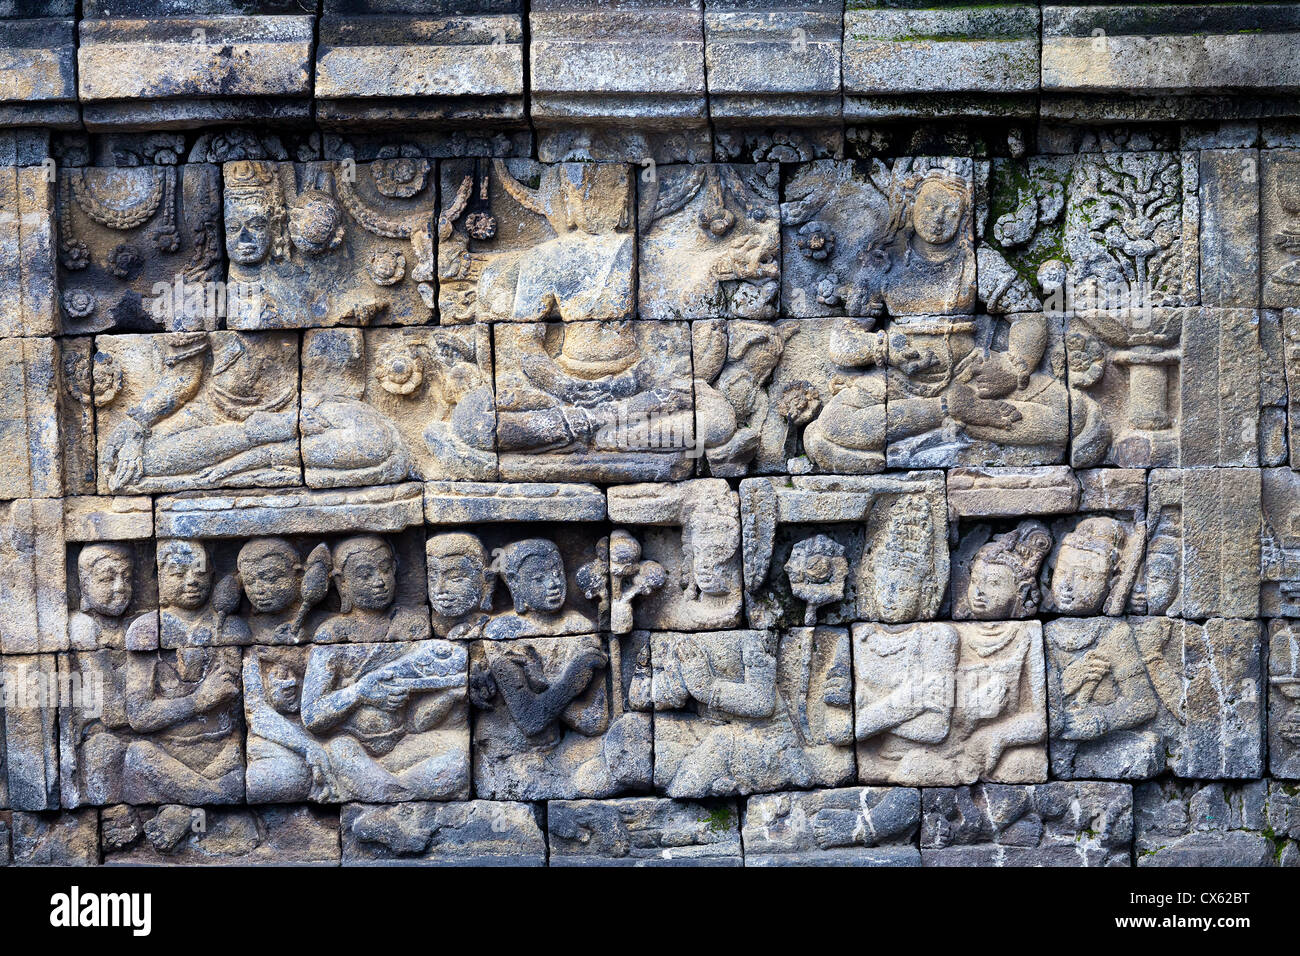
(937, 212)
(185, 578)
(539, 584)
(106, 583)
(248, 227)
(315, 223)
(898, 583)
(369, 579)
(271, 581)
(456, 584)
(711, 566)
(992, 590)
(1081, 579)
(1161, 581)
(281, 686)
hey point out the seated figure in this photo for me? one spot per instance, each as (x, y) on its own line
(106, 578)
(365, 574)
(187, 616)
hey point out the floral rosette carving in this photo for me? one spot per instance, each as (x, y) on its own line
(399, 371)
(401, 177)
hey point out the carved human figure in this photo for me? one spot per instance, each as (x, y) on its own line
(1087, 566)
(232, 417)
(734, 363)
(941, 704)
(710, 570)
(585, 397)
(106, 581)
(345, 442)
(1003, 581)
(900, 578)
(272, 574)
(848, 436)
(1161, 580)
(365, 575)
(460, 585)
(1103, 702)
(391, 717)
(285, 763)
(191, 612)
(255, 216)
(185, 708)
(533, 571)
(818, 572)
(940, 381)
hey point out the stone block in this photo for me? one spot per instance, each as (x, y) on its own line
(29, 299)
(643, 831)
(38, 70)
(740, 712)
(29, 761)
(851, 826)
(1051, 824)
(939, 704)
(56, 839)
(1215, 824)
(174, 835)
(465, 833)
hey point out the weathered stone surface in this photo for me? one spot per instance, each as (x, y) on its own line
(940, 704)
(174, 835)
(853, 826)
(386, 70)
(31, 465)
(197, 410)
(253, 513)
(594, 401)
(1128, 698)
(29, 763)
(522, 242)
(323, 244)
(1215, 824)
(794, 396)
(189, 70)
(709, 243)
(643, 831)
(468, 502)
(980, 57)
(864, 547)
(862, 238)
(773, 60)
(635, 64)
(561, 718)
(1283, 692)
(37, 70)
(56, 839)
(467, 833)
(1279, 197)
(1230, 234)
(29, 300)
(137, 245)
(33, 583)
(1051, 824)
(739, 712)
(1201, 533)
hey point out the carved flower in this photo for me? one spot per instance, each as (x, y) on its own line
(828, 292)
(125, 261)
(401, 177)
(107, 378)
(76, 376)
(399, 371)
(1086, 358)
(387, 268)
(799, 403)
(78, 303)
(481, 225)
(815, 240)
(75, 255)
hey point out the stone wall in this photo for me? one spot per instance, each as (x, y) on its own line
(652, 431)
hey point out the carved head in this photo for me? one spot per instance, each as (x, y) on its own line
(105, 574)
(1086, 566)
(184, 574)
(902, 564)
(315, 222)
(270, 570)
(710, 540)
(459, 581)
(1004, 574)
(254, 213)
(280, 684)
(1163, 569)
(534, 573)
(938, 209)
(818, 570)
(365, 573)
